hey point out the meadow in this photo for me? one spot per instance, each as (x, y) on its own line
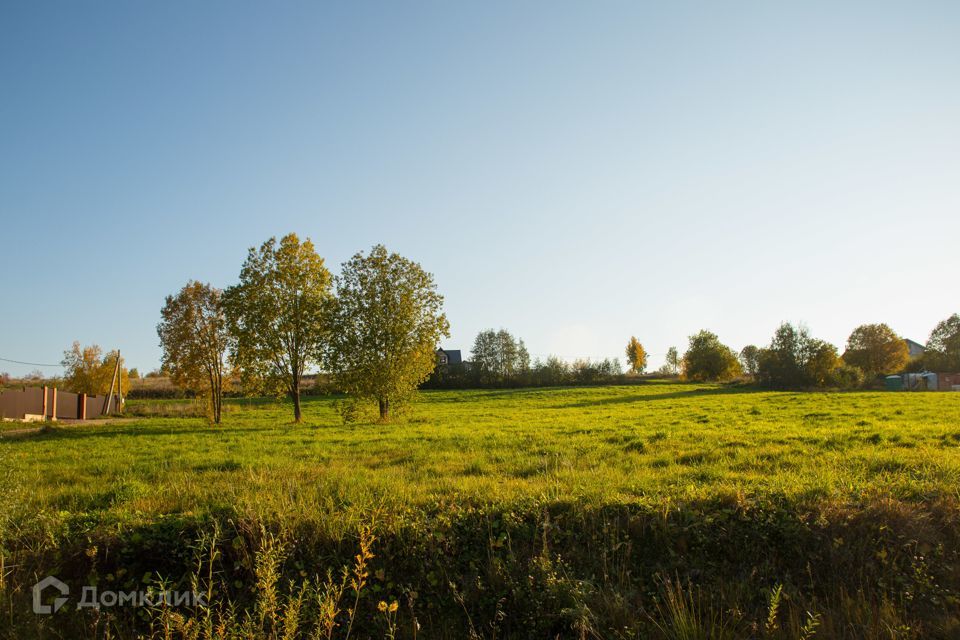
(663, 509)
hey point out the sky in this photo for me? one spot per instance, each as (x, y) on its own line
(574, 172)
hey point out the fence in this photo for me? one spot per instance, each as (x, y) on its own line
(48, 403)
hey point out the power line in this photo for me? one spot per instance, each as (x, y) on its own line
(30, 364)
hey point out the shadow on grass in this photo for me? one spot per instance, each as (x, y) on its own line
(651, 397)
(128, 431)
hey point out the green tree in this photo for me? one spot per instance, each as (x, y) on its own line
(943, 347)
(195, 339)
(795, 359)
(748, 359)
(708, 359)
(387, 321)
(636, 356)
(497, 357)
(876, 350)
(277, 315)
(673, 360)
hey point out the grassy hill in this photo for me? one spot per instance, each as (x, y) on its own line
(658, 510)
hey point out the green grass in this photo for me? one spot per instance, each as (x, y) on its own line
(705, 461)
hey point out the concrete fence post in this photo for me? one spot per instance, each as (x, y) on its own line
(53, 414)
(43, 403)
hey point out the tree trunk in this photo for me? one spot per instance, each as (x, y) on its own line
(217, 403)
(295, 394)
(384, 409)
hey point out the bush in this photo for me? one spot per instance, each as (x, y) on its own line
(707, 359)
(847, 377)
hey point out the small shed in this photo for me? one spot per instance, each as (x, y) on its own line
(923, 381)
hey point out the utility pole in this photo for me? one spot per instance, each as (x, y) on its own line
(113, 383)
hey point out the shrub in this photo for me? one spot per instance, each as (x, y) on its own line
(708, 359)
(847, 377)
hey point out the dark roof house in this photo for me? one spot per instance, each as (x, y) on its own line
(449, 356)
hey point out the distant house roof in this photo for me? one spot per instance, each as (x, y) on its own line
(453, 355)
(914, 348)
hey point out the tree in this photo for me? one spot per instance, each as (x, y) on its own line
(795, 359)
(876, 350)
(673, 360)
(551, 373)
(497, 356)
(87, 370)
(195, 339)
(636, 356)
(943, 346)
(387, 320)
(748, 359)
(708, 359)
(277, 315)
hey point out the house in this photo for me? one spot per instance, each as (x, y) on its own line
(449, 356)
(915, 348)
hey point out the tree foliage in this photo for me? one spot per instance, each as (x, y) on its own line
(708, 359)
(673, 361)
(497, 356)
(88, 370)
(195, 339)
(386, 323)
(943, 346)
(749, 359)
(876, 350)
(796, 360)
(636, 356)
(277, 315)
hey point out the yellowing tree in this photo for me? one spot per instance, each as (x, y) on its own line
(387, 321)
(87, 370)
(193, 334)
(876, 349)
(277, 315)
(636, 356)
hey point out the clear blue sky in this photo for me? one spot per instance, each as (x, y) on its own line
(574, 172)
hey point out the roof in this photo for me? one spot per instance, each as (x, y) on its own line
(453, 355)
(914, 347)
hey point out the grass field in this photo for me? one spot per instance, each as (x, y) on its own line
(660, 510)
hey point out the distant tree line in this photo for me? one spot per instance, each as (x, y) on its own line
(796, 360)
(793, 359)
(500, 360)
